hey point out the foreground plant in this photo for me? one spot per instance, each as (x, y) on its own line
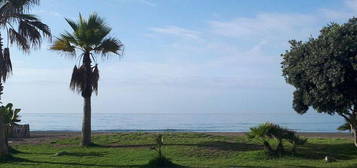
(90, 38)
(268, 132)
(10, 117)
(160, 160)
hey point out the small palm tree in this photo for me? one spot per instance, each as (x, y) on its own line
(11, 118)
(26, 31)
(90, 37)
(269, 131)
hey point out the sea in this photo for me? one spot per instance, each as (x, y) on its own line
(182, 122)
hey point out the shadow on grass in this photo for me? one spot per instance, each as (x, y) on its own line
(218, 145)
(350, 166)
(230, 146)
(343, 151)
(81, 154)
(123, 146)
(162, 162)
(26, 162)
(14, 151)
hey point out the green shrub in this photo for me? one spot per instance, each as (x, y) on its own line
(268, 131)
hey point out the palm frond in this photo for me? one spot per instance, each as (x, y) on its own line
(91, 32)
(5, 63)
(13, 12)
(11, 116)
(64, 46)
(109, 45)
(73, 24)
(31, 29)
(7, 59)
(17, 38)
(11, 8)
(70, 38)
(19, 6)
(80, 79)
(29, 32)
(41, 27)
(95, 78)
(94, 21)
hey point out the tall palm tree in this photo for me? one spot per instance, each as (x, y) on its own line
(90, 37)
(26, 31)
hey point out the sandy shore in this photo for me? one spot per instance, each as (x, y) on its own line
(39, 137)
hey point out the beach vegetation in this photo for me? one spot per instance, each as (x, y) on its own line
(268, 132)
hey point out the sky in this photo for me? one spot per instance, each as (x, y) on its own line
(181, 56)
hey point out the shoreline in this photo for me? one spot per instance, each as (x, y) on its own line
(306, 134)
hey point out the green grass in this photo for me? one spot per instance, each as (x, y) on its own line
(183, 149)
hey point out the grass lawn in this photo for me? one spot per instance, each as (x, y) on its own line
(184, 149)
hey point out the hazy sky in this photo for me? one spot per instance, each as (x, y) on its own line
(181, 56)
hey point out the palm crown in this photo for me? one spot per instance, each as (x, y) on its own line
(24, 29)
(90, 37)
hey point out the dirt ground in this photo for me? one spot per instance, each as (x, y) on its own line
(46, 136)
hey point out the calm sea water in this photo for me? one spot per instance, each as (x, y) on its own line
(239, 122)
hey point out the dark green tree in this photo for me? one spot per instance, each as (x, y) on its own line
(324, 72)
(90, 38)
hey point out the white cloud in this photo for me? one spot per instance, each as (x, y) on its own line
(177, 31)
(145, 2)
(150, 3)
(47, 12)
(263, 25)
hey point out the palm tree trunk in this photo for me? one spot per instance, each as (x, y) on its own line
(4, 151)
(86, 127)
(7, 136)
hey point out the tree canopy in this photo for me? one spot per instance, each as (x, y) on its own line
(324, 70)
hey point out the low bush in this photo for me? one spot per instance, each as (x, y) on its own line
(268, 132)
